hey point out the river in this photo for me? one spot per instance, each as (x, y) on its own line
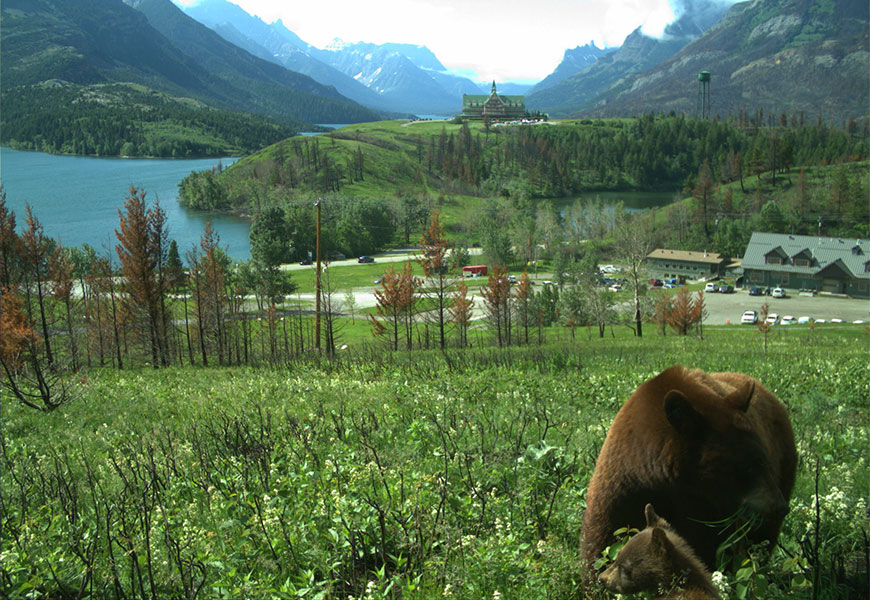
(76, 198)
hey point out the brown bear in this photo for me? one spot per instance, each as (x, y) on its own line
(658, 560)
(703, 448)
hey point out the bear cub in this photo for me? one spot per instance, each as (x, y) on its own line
(658, 560)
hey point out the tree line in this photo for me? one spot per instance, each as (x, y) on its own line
(64, 310)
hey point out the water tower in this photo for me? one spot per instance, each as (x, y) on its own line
(704, 95)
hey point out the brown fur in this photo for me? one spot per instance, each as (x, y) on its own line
(699, 447)
(658, 560)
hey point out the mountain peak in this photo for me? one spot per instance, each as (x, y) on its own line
(336, 45)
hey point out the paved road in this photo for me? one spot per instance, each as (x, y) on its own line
(721, 308)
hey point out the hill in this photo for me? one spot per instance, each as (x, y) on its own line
(550, 164)
(90, 44)
(126, 119)
(777, 56)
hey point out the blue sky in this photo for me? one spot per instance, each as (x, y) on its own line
(487, 39)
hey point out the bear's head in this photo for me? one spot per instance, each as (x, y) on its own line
(647, 562)
(721, 456)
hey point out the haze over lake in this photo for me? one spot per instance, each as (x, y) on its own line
(76, 198)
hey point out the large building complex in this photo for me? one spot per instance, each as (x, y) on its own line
(494, 106)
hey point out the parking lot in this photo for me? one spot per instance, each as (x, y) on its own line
(725, 308)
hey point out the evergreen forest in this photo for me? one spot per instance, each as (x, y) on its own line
(130, 120)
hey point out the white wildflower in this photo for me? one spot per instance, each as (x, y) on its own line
(720, 581)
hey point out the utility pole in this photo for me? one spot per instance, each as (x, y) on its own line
(317, 280)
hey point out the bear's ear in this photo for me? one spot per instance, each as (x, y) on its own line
(680, 413)
(652, 519)
(660, 544)
(740, 397)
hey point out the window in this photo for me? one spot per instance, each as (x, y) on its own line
(867, 267)
(783, 279)
(801, 262)
(772, 259)
(756, 276)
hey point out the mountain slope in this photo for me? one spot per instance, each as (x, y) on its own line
(255, 80)
(277, 44)
(395, 77)
(574, 61)
(638, 53)
(105, 41)
(790, 56)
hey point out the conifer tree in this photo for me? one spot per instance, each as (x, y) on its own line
(460, 312)
(141, 251)
(496, 298)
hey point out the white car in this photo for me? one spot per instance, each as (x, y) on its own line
(772, 319)
(803, 320)
(836, 320)
(778, 293)
(788, 320)
(750, 317)
(711, 288)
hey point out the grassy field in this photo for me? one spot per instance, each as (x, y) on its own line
(421, 475)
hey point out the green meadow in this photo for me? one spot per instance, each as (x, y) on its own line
(400, 475)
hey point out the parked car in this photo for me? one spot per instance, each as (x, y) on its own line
(836, 320)
(803, 320)
(726, 289)
(778, 293)
(365, 259)
(772, 319)
(750, 317)
(711, 288)
(655, 283)
(788, 320)
(756, 291)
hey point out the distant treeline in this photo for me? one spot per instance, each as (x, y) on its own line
(122, 120)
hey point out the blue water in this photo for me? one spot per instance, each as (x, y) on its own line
(76, 198)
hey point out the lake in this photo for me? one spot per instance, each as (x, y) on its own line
(76, 198)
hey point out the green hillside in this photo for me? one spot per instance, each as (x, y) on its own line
(129, 120)
(456, 166)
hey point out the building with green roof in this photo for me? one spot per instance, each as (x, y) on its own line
(494, 106)
(806, 262)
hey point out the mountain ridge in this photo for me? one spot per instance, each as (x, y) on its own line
(638, 53)
(776, 56)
